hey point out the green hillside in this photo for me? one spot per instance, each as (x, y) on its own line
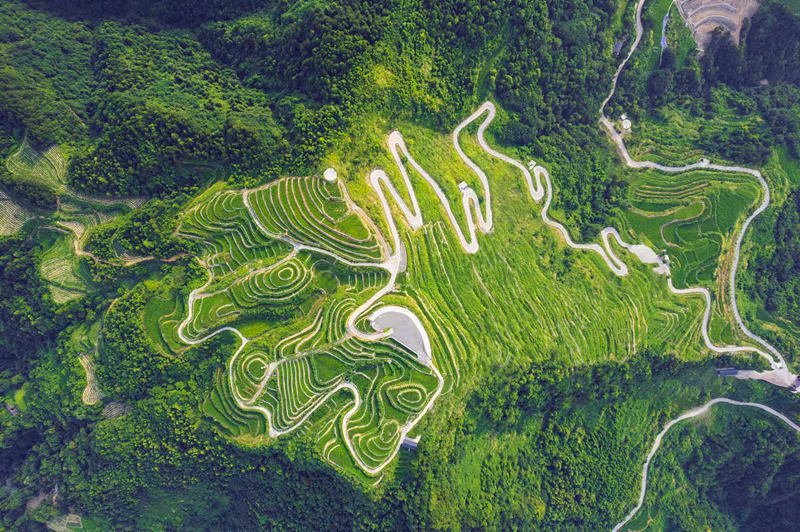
(405, 265)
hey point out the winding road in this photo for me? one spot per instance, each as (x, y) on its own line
(479, 218)
(780, 374)
(393, 265)
(694, 412)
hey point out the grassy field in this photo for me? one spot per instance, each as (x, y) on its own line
(65, 275)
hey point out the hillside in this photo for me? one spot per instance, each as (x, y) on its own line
(407, 264)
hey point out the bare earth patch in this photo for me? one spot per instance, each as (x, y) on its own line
(91, 393)
(704, 16)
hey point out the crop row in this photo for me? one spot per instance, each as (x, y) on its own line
(313, 212)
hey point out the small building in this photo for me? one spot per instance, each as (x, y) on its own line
(12, 409)
(410, 443)
(727, 372)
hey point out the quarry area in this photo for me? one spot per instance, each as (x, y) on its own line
(704, 16)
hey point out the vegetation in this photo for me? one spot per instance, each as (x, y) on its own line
(65, 274)
(292, 305)
(549, 447)
(740, 106)
(738, 479)
(149, 228)
(779, 271)
(761, 55)
(27, 321)
(147, 231)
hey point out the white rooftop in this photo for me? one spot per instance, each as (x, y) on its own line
(330, 175)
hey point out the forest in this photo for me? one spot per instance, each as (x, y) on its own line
(145, 112)
(779, 271)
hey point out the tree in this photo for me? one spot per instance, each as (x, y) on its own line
(659, 87)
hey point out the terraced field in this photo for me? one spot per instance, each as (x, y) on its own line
(161, 320)
(228, 234)
(691, 217)
(288, 264)
(84, 341)
(12, 215)
(497, 306)
(75, 214)
(301, 210)
(48, 168)
(295, 270)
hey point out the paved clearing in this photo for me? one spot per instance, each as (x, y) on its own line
(404, 327)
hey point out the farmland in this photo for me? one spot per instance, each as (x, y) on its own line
(692, 217)
(288, 263)
(294, 266)
(73, 210)
(12, 215)
(48, 169)
(66, 277)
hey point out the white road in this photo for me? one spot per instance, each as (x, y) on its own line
(392, 264)
(694, 412)
(780, 374)
(479, 217)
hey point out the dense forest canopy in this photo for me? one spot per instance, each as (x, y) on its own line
(780, 270)
(269, 91)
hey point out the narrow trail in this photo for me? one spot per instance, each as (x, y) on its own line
(80, 250)
(780, 374)
(480, 218)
